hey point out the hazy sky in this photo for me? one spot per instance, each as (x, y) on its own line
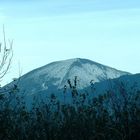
(105, 31)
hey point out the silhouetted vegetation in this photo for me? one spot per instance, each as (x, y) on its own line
(110, 116)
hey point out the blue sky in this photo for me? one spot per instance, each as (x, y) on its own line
(105, 31)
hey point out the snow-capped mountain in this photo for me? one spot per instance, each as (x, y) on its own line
(54, 76)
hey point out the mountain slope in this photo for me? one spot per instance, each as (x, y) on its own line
(126, 82)
(54, 76)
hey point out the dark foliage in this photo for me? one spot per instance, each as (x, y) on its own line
(110, 116)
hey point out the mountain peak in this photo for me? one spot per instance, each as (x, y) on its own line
(71, 61)
(55, 75)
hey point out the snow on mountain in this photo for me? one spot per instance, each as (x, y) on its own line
(54, 76)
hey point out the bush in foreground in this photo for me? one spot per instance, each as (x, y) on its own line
(106, 117)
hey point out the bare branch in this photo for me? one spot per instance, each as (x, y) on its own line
(6, 55)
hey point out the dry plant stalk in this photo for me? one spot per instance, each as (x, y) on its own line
(6, 55)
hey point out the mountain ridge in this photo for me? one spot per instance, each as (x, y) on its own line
(54, 76)
(75, 59)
